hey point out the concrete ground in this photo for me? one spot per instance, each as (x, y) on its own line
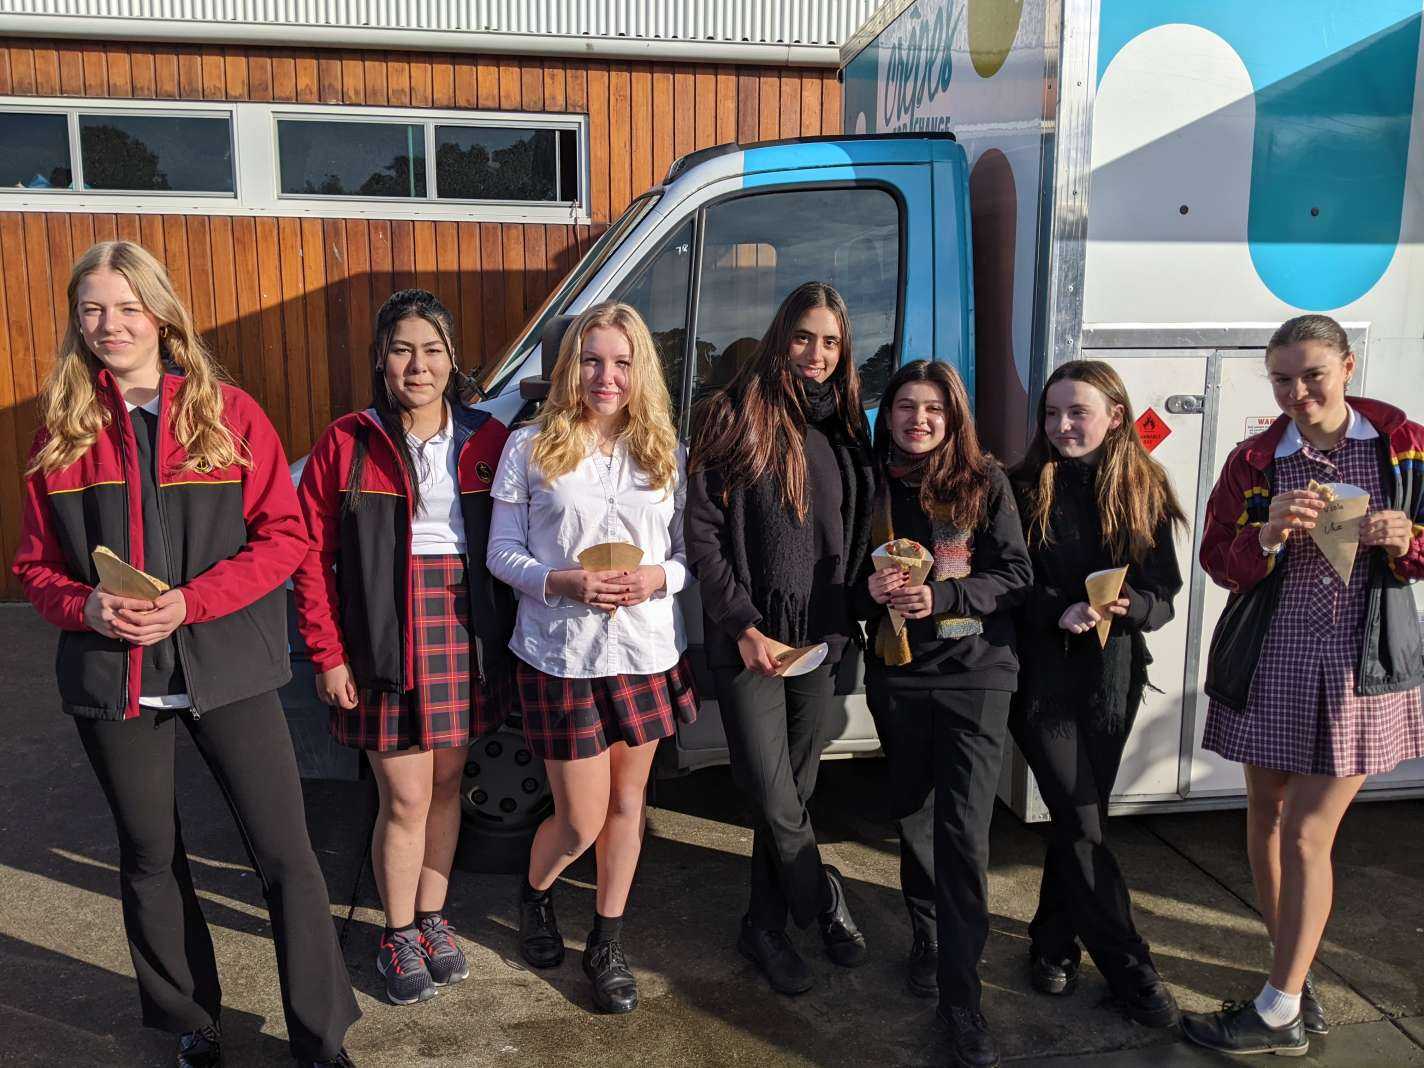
(67, 993)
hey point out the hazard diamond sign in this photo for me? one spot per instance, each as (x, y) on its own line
(1152, 429)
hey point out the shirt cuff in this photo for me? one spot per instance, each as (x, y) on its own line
(549, 602)
(676, 573)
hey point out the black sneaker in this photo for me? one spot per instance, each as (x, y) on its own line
(1051, 975)
(614, 988)
(1238, 1028)
(540, 942)
(1151, 1004)
(443, 958)
(773, 953)
(201, 1048)
(1312, 1014)
(844, 942)
(972, 1045)
(923, 967)
(341, 1060)
(401, 960)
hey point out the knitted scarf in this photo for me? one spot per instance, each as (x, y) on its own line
(953, 555)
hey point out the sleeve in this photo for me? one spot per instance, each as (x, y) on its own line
(317, 601)
(507, 556)
(1046, 600)
(862, 605)
(1001, 573)
(40, 565)
(1231, 547)
(1153, 586)
(725, 601)
(675, 566)
(276, 536)
(1410, 566)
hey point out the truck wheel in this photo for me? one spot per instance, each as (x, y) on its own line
(503, 798)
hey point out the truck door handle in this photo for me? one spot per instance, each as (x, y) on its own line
(1186, 404)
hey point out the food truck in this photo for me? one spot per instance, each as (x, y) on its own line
(1154, 183)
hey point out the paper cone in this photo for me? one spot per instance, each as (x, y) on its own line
(611, 556)
(911, 555)
(1337, 530)
(792, 662)
(120, 579)
(1103, 588)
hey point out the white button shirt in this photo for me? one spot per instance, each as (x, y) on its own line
(540, 527)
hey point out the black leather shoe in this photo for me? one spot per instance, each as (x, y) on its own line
(1050, 976)
(540, 942)
(1151, 1004)
(341, 1060)
(201, 1048)
(971, 1044)
(1312, 1015)
(923, 967)
(1238, 1028)
(614, 988)
(773, 953)
(844, 942)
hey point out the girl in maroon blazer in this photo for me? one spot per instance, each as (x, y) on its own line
(145, 451)
(405, 626)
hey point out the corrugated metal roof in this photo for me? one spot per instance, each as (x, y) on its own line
(824, 23)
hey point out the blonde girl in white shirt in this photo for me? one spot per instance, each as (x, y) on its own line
(599, 668)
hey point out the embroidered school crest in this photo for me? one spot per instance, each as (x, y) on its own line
(483, 472)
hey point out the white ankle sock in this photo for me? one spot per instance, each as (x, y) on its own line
(1276, 1007)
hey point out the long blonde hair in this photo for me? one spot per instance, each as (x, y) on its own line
(70, 407)
(564, 440)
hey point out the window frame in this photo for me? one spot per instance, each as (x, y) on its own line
(257, 181)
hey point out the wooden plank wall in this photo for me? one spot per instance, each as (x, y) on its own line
(287, 303)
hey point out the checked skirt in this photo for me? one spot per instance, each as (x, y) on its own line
(445, 708)
(569, 719)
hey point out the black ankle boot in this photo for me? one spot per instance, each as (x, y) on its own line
(844, 942)
(773, 953)
(614, 988)
(540, 942)
(201, 1048)
(923, 967)
(972, 1044)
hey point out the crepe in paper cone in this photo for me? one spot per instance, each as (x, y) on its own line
(792, 662)
(611, 556)
(1103, 588)
(1337, 530)
(913, 557)
(120, 579)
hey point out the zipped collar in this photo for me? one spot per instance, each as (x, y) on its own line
(1260, 451)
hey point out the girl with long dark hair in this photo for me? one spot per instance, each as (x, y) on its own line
(146, 451)
(939, 687)
(406, 627)
(778, 517)
(1091, 499)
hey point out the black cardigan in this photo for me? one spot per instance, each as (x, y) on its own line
(1071, 676)
(998, 579)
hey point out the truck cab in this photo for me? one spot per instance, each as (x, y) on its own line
(708, 256)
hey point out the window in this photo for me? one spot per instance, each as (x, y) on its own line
(118, 150)
(36, 152)
(658, 289)
(515, 164)
(757, 249)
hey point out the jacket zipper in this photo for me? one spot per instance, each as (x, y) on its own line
(179, 639)
(475, 640)
(406, 614)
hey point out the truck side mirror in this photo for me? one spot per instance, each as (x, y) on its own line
(552, 336)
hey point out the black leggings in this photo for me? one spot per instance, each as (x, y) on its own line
(249, 752)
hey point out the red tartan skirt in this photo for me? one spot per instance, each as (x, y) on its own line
(569, 719)
(445, 708)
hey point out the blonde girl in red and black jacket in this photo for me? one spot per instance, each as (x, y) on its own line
(146, 452)
(406, 629)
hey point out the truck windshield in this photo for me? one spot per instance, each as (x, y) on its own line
(494, 380)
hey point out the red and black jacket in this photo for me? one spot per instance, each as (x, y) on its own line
(234, 535)
(354, 602)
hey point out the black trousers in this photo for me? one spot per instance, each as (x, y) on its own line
(249, 752)
(776, 729)
(1083, 894)
(943, 752)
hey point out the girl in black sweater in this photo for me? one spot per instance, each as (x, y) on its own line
(778, 507)
(1091, 499)
(939, 688)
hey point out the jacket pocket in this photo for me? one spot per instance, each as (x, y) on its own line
(91, 670)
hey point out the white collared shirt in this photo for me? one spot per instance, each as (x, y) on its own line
(540, 527)
(1356, 426)
(439, 527)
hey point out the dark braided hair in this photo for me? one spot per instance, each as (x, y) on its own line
(401, 305)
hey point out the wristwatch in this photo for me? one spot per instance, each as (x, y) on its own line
(1265, 551)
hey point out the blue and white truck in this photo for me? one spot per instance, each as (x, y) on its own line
(1156, 183)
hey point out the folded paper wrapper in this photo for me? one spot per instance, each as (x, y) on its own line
(122, 580)
(611, 556)
(1337, 530)
(791, 662)
(1103, 588)
(913, 557)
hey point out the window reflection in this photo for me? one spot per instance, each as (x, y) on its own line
(36, 152)
(157, 153)
(368, 159)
